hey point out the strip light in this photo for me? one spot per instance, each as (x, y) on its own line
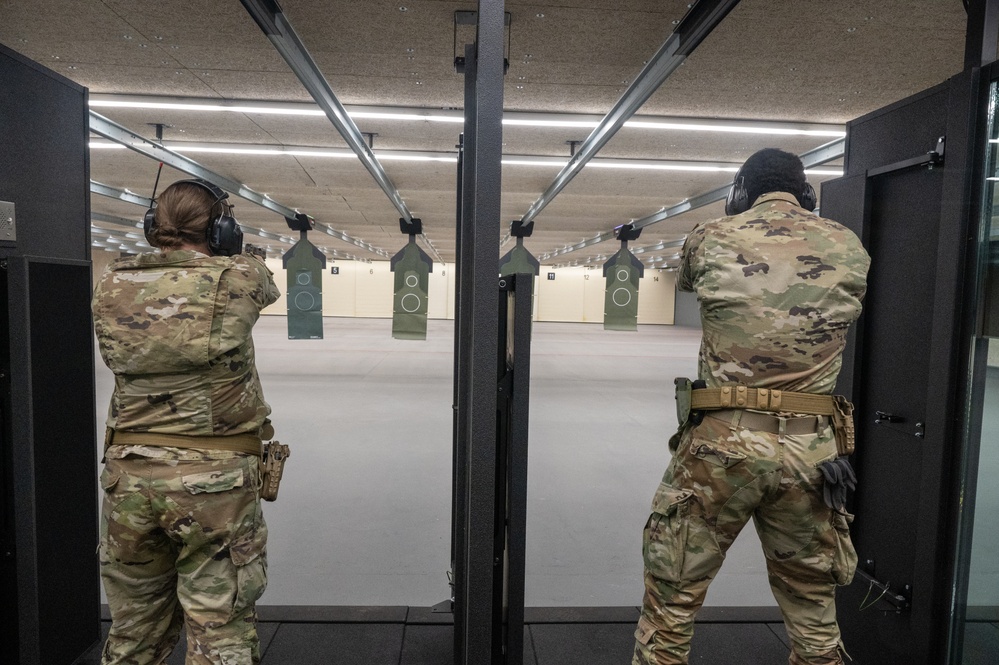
(447, 157)
(513, 118)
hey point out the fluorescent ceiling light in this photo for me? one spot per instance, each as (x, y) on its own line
(454, 116)
(446, 157)
(541, 122)
(650, 164)
(769, 130)
(204, 106)
(388, 115)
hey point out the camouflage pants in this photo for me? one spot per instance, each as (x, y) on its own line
(721, 475)
(182, 543)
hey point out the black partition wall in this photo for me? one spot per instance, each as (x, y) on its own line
(47, 421)
(908, 192)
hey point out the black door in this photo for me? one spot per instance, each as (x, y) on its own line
(905, 192)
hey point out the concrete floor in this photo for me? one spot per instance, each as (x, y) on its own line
(364, 512)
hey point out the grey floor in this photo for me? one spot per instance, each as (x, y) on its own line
(309, 643)
(363, 516)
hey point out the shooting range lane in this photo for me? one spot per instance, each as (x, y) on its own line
(363, 517)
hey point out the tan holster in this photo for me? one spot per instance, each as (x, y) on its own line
(272, 468)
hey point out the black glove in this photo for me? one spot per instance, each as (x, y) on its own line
(839, 477)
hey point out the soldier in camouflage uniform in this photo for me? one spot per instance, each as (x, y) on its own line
(778, 289)
(182, 535)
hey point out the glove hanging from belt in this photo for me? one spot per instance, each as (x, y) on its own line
(839, 477)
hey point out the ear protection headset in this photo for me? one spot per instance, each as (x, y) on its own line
(225, 238)
(738, 198)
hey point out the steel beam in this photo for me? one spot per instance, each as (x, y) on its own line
(980, 46)
(122, 194)
(111, 130)
(271, 19)
(116, 220)
(695, 26)
(478, 602)
(821, 155)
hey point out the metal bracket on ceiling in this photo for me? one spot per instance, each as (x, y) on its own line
(520, 230)
(471, 17)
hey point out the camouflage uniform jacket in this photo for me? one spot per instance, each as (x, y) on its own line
(175, 328)
(778, 289)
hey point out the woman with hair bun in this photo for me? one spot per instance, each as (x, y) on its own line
(183, 538)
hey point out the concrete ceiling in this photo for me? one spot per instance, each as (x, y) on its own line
(778, 60)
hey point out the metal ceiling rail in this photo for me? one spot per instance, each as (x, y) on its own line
(115, 193)
(111, 130)
(702, 18)
(114, 219)
(121, 194)
(274, 24)
(821, 155)
(271, 19)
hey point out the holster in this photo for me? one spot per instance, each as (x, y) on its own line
(843, 427)
(275, 455)
(684, 415)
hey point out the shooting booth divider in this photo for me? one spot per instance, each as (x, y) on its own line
(907, 363)
(48, 476)
(492, 356)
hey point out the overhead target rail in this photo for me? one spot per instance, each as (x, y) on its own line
(111, 130)
(272, 21)
(702, 17)
(821, 155)
(146, 203)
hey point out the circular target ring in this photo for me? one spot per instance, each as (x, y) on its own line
(410, 302)
(616, 297)
(412, 281)
(305, 301)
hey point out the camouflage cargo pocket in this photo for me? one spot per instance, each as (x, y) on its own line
(249, 555)
(717, 456)
(844, 563)
(665, 537)
(213, 481)
(109, 480)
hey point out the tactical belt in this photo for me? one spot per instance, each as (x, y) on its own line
(239, 443)
(764, 422)
(743, 397)
(763, 399)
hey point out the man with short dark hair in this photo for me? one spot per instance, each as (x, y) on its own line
(778, 288)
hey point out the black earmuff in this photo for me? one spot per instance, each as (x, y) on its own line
(225, 238)
(149, 223)
(807, 198)
(738, 198)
